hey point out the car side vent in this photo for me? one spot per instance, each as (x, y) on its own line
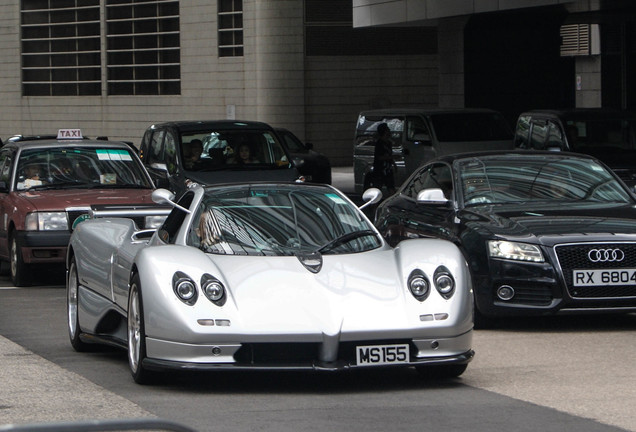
(580, 40)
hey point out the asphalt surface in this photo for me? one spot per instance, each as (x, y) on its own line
(33, 389)
(580, 367)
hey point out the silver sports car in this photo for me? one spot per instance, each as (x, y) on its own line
(267, 276)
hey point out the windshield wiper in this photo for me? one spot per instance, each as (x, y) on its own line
(346, 238)
(61, 185)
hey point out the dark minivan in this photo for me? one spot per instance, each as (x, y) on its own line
(607, 134)
(181, 153)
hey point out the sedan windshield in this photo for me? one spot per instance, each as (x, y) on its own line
(84, 167)
(280, 221)
(493, 180)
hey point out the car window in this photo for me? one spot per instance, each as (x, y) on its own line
(522, 132)
(86, 167)
(293, 144)
(170, 228)
(285, 221)
(366, 130)
(6, 163)
(417, 130)
(555, 136)
(155, 153)
(599, 133)
(170, 152)
(432, 176)
(470, 126)
(538, 135)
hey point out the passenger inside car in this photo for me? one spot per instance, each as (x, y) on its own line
(32, 176)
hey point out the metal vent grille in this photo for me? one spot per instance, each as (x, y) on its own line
(579, 40)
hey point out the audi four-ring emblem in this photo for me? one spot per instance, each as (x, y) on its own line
(606, 255)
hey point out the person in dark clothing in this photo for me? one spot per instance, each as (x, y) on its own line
(383, 162)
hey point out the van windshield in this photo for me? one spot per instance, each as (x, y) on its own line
(451, 127)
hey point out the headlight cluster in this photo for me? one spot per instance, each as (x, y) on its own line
(186, 290)
(46, 221)
(420, 286)
(515, 251)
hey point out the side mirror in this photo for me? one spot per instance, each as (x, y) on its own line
(160, 167)
(433, 195)
(309, 146)
(164, 196)
(371, 196)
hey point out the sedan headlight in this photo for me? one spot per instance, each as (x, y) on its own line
(419, 285)
(46, 221)
(515, 251)
(184, 288)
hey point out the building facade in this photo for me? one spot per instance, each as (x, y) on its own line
(113, 67)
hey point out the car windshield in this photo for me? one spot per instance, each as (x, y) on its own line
(498, 180)
(279, 221)
(232, 149)
(75, 167)
(457, 127)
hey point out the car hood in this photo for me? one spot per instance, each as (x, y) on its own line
(551, 224)
(54, 199)
(226, 175)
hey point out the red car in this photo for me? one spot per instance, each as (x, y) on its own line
(48, 186)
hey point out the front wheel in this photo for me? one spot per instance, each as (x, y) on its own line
(136, 334)
(18, 268)
(72, 308)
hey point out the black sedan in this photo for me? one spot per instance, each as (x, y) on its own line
(543, 232)
(313, 165)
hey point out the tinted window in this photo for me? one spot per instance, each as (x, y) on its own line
(367, 127)
(470, 127)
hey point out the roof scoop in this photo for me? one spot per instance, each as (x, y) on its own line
(312, 261)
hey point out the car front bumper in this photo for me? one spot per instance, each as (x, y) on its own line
(163, 354)
(41, 247)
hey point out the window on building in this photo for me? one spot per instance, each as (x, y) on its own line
(60, 47)
(142, 47)
(230, 28)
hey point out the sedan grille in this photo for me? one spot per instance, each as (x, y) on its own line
(595, 256)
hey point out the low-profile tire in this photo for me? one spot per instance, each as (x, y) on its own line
(72, 308)
(18, 269)
(441, 371)
(137, 334)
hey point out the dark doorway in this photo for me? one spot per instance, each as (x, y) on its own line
(512, 62)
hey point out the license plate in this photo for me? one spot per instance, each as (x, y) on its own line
(373, 355)
(605, 277)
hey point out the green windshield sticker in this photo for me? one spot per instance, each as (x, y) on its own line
(335, 198)
(113, 154)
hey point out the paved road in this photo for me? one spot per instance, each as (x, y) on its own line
(570, 373)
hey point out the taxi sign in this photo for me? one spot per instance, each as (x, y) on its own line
(69, 134)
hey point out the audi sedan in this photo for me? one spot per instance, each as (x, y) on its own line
(543, 232)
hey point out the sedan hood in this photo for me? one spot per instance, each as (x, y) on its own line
(61, 199)
(551, 224)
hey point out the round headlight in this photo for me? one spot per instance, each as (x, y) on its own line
(444, 282)
(213, 289)
(184, 288)
(419, 285)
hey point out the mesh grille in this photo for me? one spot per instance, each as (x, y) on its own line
(575, 257)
